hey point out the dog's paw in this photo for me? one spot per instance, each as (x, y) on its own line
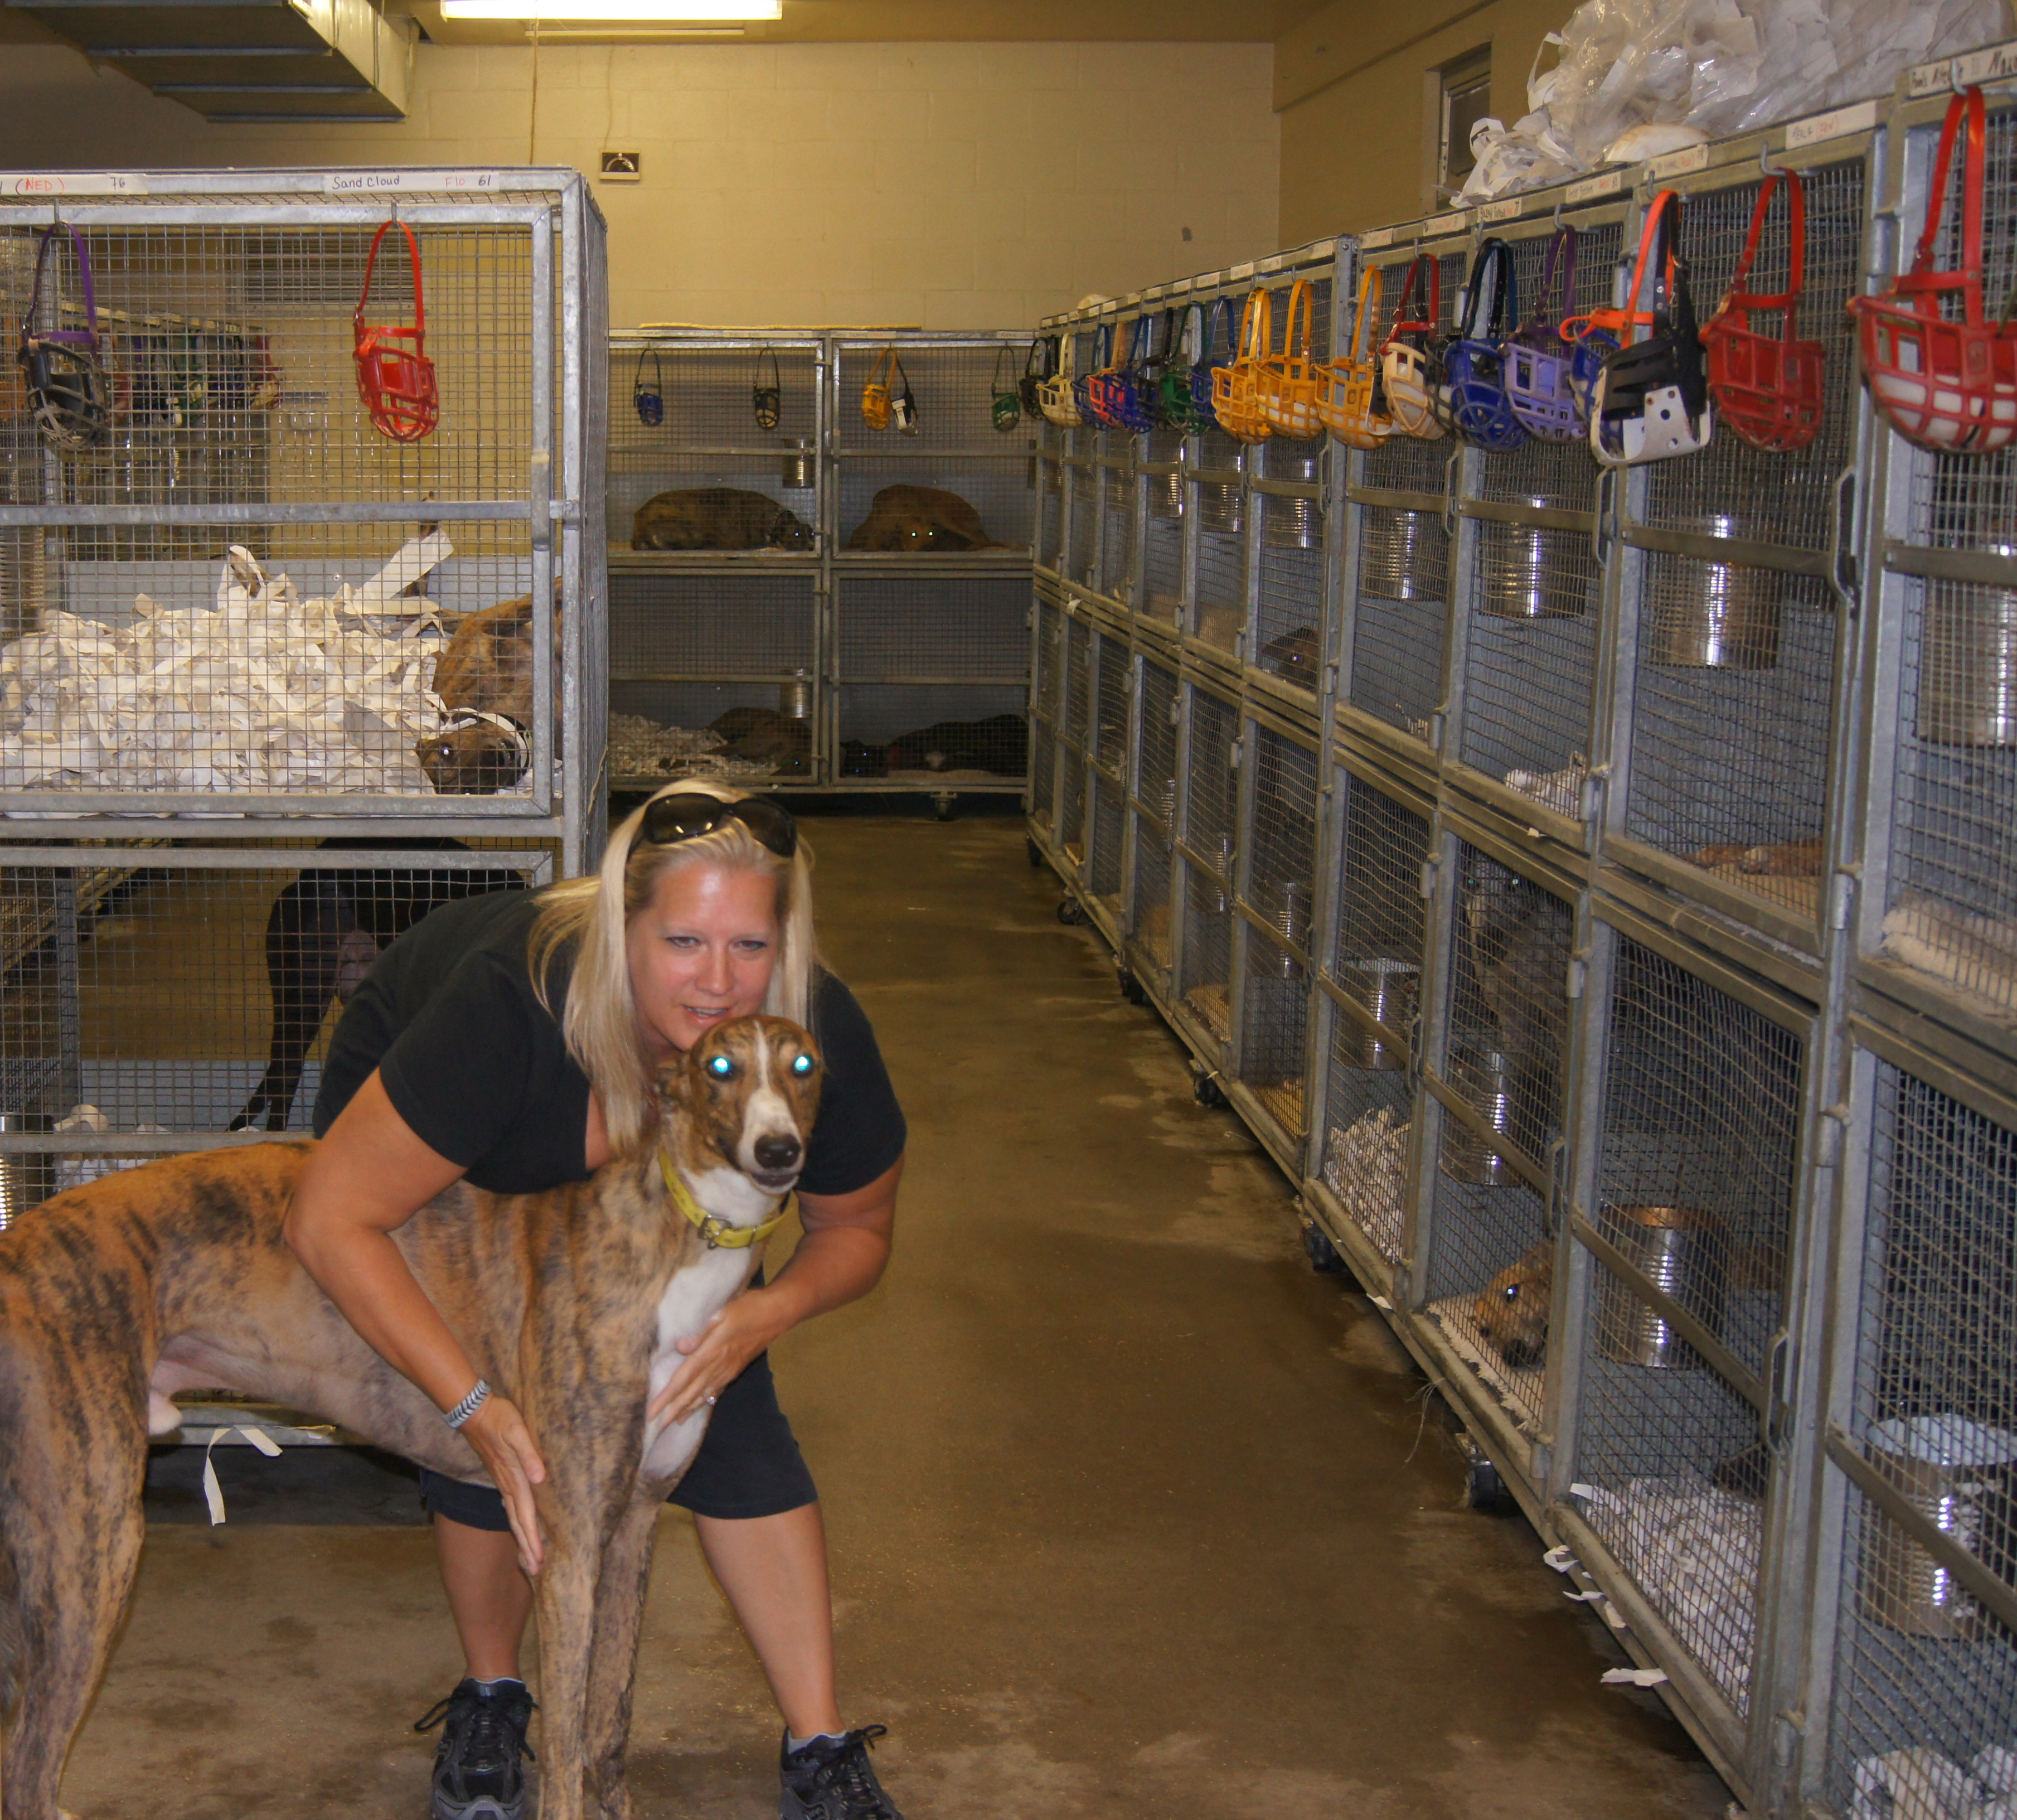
(163, 1418)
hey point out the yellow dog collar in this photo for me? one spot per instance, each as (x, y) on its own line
(717, 1231)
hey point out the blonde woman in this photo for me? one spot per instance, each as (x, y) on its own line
(513, 1039)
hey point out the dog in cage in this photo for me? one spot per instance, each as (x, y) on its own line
(324, 931)
(916, 520)
(484, 675)
(1519, 936)
(1512, 1314)
(719, 518)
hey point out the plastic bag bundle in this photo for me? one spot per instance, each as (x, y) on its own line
(1634, 78)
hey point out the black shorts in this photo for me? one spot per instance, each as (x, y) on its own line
(749, 1465)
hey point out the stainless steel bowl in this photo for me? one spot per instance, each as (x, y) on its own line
(1386, 989)
(1968, 663)
(1528, 572)
(1403, 556)
(1484, 1077)
(1711, 615)
(1684, 1251)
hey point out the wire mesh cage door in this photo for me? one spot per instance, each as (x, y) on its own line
(951, 485)
(1370, 981)
(1050, 503)
(264, 571)
(1496, 1042)
(1209, 843)
(1937, 913)
(1918, 1596)
(1686, 1224)
(931, 663)
(1160, 593)
(714, 444)
(1396, 589)
(1524, 681)
(154, 998)
(1734, 639)
(1277, 896)
(1074, 744)
(1120, 499)
(1217, 499)
(1108, 761)
(1154, 775)
(713, 673)
(1291, 639)
(1046, 709)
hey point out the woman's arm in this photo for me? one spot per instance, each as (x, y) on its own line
(841, 1258)
(365, 1179)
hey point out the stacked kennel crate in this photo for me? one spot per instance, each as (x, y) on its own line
(860, 647)
(135, 900)
(1661, 955)
(695, 633)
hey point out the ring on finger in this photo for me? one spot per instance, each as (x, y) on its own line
(708, 1401)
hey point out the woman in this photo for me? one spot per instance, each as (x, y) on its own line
(515, 1039)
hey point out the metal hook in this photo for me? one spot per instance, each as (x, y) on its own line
(1766, 167)
(1557, 221)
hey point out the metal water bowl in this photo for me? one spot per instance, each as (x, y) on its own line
(1712, 616)
(1962, 1477)
(1166, 495)
(1387, 989)
(1968, 663)
(1528, 572)
(1292, 523)
(1484, 1077)
(1117, 489)
(1682, 1250)
(795, 696)
(1222, 504)
(1403, 556)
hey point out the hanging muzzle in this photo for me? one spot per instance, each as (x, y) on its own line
(875, 392)
(1549, 380)
(648, 396)
(68, 394)
(1407, 368)
(903, 405)
(1945, 379)
(1004, 402)
(1651, 399)
(396, 382)
(1768, 388)
(767, 402)
(1349, 402)
(1471, 402)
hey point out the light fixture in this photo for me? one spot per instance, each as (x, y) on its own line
(702, 12)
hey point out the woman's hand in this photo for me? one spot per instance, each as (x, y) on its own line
(504, 1444)
(718, 1354)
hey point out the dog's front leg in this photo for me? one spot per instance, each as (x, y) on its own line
(619, 1612)
(565, 1596)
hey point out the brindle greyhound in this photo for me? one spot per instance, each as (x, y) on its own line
(118, 1295)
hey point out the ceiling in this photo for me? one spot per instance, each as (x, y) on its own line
(1028, 21)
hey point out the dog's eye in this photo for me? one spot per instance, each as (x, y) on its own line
(802, 1064)
(1512, 1292)
(720, 1066)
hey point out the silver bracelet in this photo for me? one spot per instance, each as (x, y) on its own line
(477, 1397)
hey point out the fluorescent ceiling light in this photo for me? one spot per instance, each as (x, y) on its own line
(567, 12)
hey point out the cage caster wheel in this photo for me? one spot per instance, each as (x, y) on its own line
(945, 805)
(1071, 912)
(1208, 1092)
(1035, 852)
(1483, 1489)
(1323, 1256)
(1130, 987)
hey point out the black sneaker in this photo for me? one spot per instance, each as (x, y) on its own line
(477, 1775)
(832, 1779)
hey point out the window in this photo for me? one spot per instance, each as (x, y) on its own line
(1467, 98)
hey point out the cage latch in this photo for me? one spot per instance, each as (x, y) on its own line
(1176, 711)
(1828, 1136)
(1841, 898)
(1595, 780)
(1778, 1373)
(1577, 974)
(1235, 754)
(1428, 878)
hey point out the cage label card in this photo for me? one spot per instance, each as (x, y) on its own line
(1680, 164)
(1818, 128)
(409, 182)
(34, 183)
(1610, 183)
(1998, 63)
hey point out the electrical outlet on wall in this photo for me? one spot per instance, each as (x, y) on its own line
(622, 167)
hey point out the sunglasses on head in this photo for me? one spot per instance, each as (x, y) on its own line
(687, 814)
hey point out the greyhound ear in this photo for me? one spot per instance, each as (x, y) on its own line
(672, 1076)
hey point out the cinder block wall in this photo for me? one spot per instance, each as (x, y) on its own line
(949, 186)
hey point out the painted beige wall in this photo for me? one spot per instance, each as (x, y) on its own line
(951, 185)
(1358, 127)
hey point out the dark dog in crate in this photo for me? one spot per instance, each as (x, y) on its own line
(915, 519)
(858, 758)
(718, 518)
(1519, 935)
(1512, 1314)
(324, 931)
(1293, 657)
(1000, 744)
(765, 736)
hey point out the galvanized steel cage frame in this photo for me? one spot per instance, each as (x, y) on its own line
(1857, 933)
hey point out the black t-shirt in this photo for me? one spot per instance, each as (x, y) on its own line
(480, 1071)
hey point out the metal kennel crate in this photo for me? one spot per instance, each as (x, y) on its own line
(235, 418)
(1208, 850)
(146, 998)
(1936, 881)
(1736, 577)
(1154, 770)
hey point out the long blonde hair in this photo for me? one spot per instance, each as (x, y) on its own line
(593, 913)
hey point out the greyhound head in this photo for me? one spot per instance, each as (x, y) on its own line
(751, 1090)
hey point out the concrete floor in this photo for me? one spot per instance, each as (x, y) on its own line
(1130, 1511)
